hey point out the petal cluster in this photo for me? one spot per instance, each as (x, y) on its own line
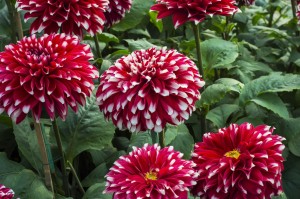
(241, 161)
(151, 173)
(148, 89)
(48, 73)
(191, 10)
(6, 193)
(116, 11)
(68, 16)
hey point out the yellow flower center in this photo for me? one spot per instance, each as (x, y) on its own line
(233, 154)
(151, 176)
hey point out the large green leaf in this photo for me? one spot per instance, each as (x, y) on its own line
(291, 177)
(217, 53)
(294, 144)
(138, 12)
(275, 82)
(86, 129)
(139, 139)
(216, 92)
(139, 44)
(170, 134)
(220, 114)
(273, 103)
(96, 176)
(96, 192)
(184, 141)
(24, 182)
(28, 144)
(252, 65)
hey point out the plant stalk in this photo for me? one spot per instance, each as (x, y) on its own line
(76, 177)
(11, 13)
(294, 5)
(161, 139)
(45, 160)
(98, 51)
(63, 161)
(198, 48)
(200, 66)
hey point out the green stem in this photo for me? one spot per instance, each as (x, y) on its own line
(76, 177)
(294, 5)
(98, 51)
(11, 13)
(63, 161)
(46, 166)
(200, 66)
(162, 138)
(198, 48)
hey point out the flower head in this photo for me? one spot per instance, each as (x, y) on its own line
(69, 16)
(150, 173)
(6, 193)
(191, 10)
(148, 89)
(240, 161)
(50, 73)
(116, 11)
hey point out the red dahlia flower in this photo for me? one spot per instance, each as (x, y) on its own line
(69, 16)
(191, 10)
(149, 88)
(151, 173)
(6, 193)
(116, 11)
(50, 72)
(239, 162)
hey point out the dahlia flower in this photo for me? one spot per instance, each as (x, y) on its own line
(151, 173)
(148, 89)
(191, 10)
(6, 193)
(47, 73)
(65, 15)
(239, 162)
(116, 11)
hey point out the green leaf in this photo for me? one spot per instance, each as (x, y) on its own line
(213, 94)
(294, 144)
(291, 177)
(139, 44)
(107, 37)
(28, 144)
(252, 65)
(220, 114)
(275, 82)
(22, 181)
(170, 134)
(183, 142)
(217, 53)
(96, 192)
(139, 10)
(157, 23)
(96, 176)
(86, 129)
(273, 103)
(139, 139)
(100, 156)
